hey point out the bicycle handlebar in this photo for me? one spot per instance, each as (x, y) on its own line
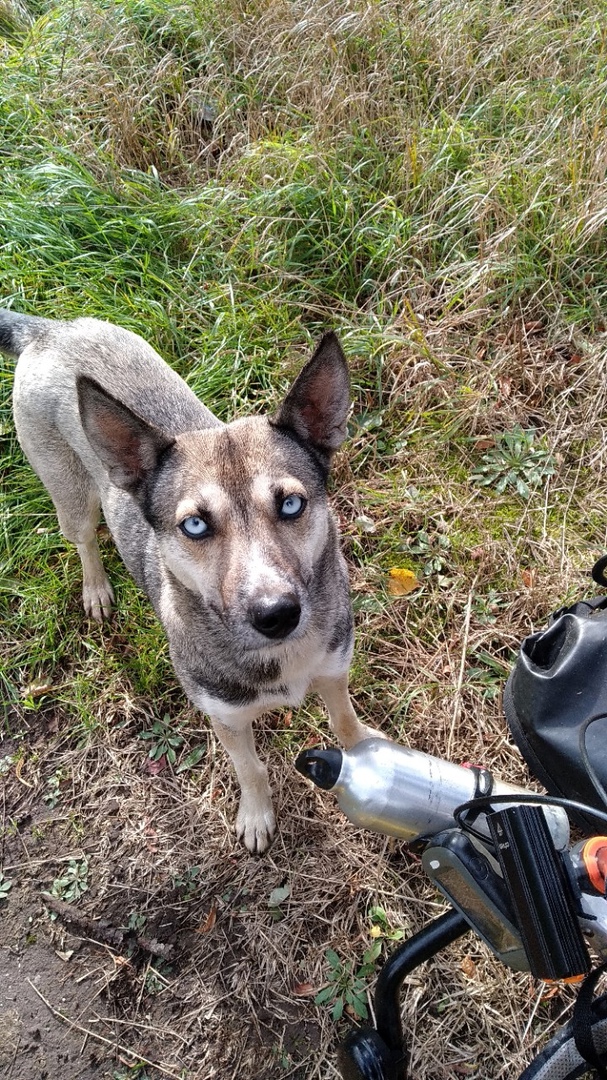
(394, 790)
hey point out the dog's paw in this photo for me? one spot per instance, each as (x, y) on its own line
(256, 824)
(97, 599)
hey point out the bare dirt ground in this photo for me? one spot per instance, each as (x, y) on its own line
(173, 962)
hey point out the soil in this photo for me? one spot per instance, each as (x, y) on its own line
(139, 939)
(152, 970)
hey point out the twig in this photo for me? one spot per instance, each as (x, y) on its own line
(457, 700)
(101, 1038)
(102, 931)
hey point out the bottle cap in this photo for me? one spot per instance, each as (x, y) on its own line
(321, 766)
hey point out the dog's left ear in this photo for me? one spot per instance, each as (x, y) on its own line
(317, 405)
(128, 445)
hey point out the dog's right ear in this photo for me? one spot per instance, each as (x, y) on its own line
(128, 446)
(317, 405)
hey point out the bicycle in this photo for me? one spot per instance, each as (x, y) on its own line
(502, 858)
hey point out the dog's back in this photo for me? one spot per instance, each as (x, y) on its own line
(51, 355)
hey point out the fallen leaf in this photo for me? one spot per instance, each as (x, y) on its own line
(155, 767)
(402, 581)
(209, 922)
(36, 689)
(366, 524)
(312, 740)
(468, 967)
(304, 989)
(277, 896)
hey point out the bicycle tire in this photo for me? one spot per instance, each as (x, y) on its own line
(560, 1060)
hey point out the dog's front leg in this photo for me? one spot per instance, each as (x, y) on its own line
(343, 719)
(255, 823)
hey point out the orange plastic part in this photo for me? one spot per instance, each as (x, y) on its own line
(594, 857)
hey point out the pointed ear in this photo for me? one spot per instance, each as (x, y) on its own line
(128, 446)
(317, 405)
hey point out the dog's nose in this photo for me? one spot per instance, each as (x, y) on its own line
(276, 619)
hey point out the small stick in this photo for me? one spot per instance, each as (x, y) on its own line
(457, 700)
(102, 931)
(116, 1047)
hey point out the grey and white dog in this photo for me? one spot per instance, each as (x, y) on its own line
(225, 526)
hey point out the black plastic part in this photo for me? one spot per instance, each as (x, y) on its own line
(541, 893)
(469, 882)
(555, 686)
(321, 766)
(598, 571)
(421, 947)
(363, 1055)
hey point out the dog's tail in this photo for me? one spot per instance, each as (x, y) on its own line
(18, 331)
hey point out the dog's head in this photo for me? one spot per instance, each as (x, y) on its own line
(239, 511)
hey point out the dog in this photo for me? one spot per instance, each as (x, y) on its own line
(226, 527)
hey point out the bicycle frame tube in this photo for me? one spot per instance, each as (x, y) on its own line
(421, 947)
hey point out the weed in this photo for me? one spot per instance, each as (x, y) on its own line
(346, 987)
(52, 795)
(283, 1059)
(191, 760)
(434, 551)
(136, 1071)
(516, 461)
(165, 740)
(488, 607)
(136, 921)
(156, 977)
(487, 673)
(276, 898)
(188, 883)
(73, 883)
(380, 926)
(5, 887)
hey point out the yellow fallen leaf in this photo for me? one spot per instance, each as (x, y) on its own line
(402, 581)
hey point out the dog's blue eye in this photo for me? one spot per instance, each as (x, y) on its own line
(292, 506)
(194, 527)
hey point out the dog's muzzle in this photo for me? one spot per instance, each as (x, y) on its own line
(276, 619)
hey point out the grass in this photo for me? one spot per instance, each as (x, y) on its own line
(228, 180)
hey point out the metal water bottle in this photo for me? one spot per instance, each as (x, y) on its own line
(394, 790)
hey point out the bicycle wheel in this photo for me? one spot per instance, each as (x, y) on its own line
(559, 1060)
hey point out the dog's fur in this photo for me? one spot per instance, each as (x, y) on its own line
(256, 608)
